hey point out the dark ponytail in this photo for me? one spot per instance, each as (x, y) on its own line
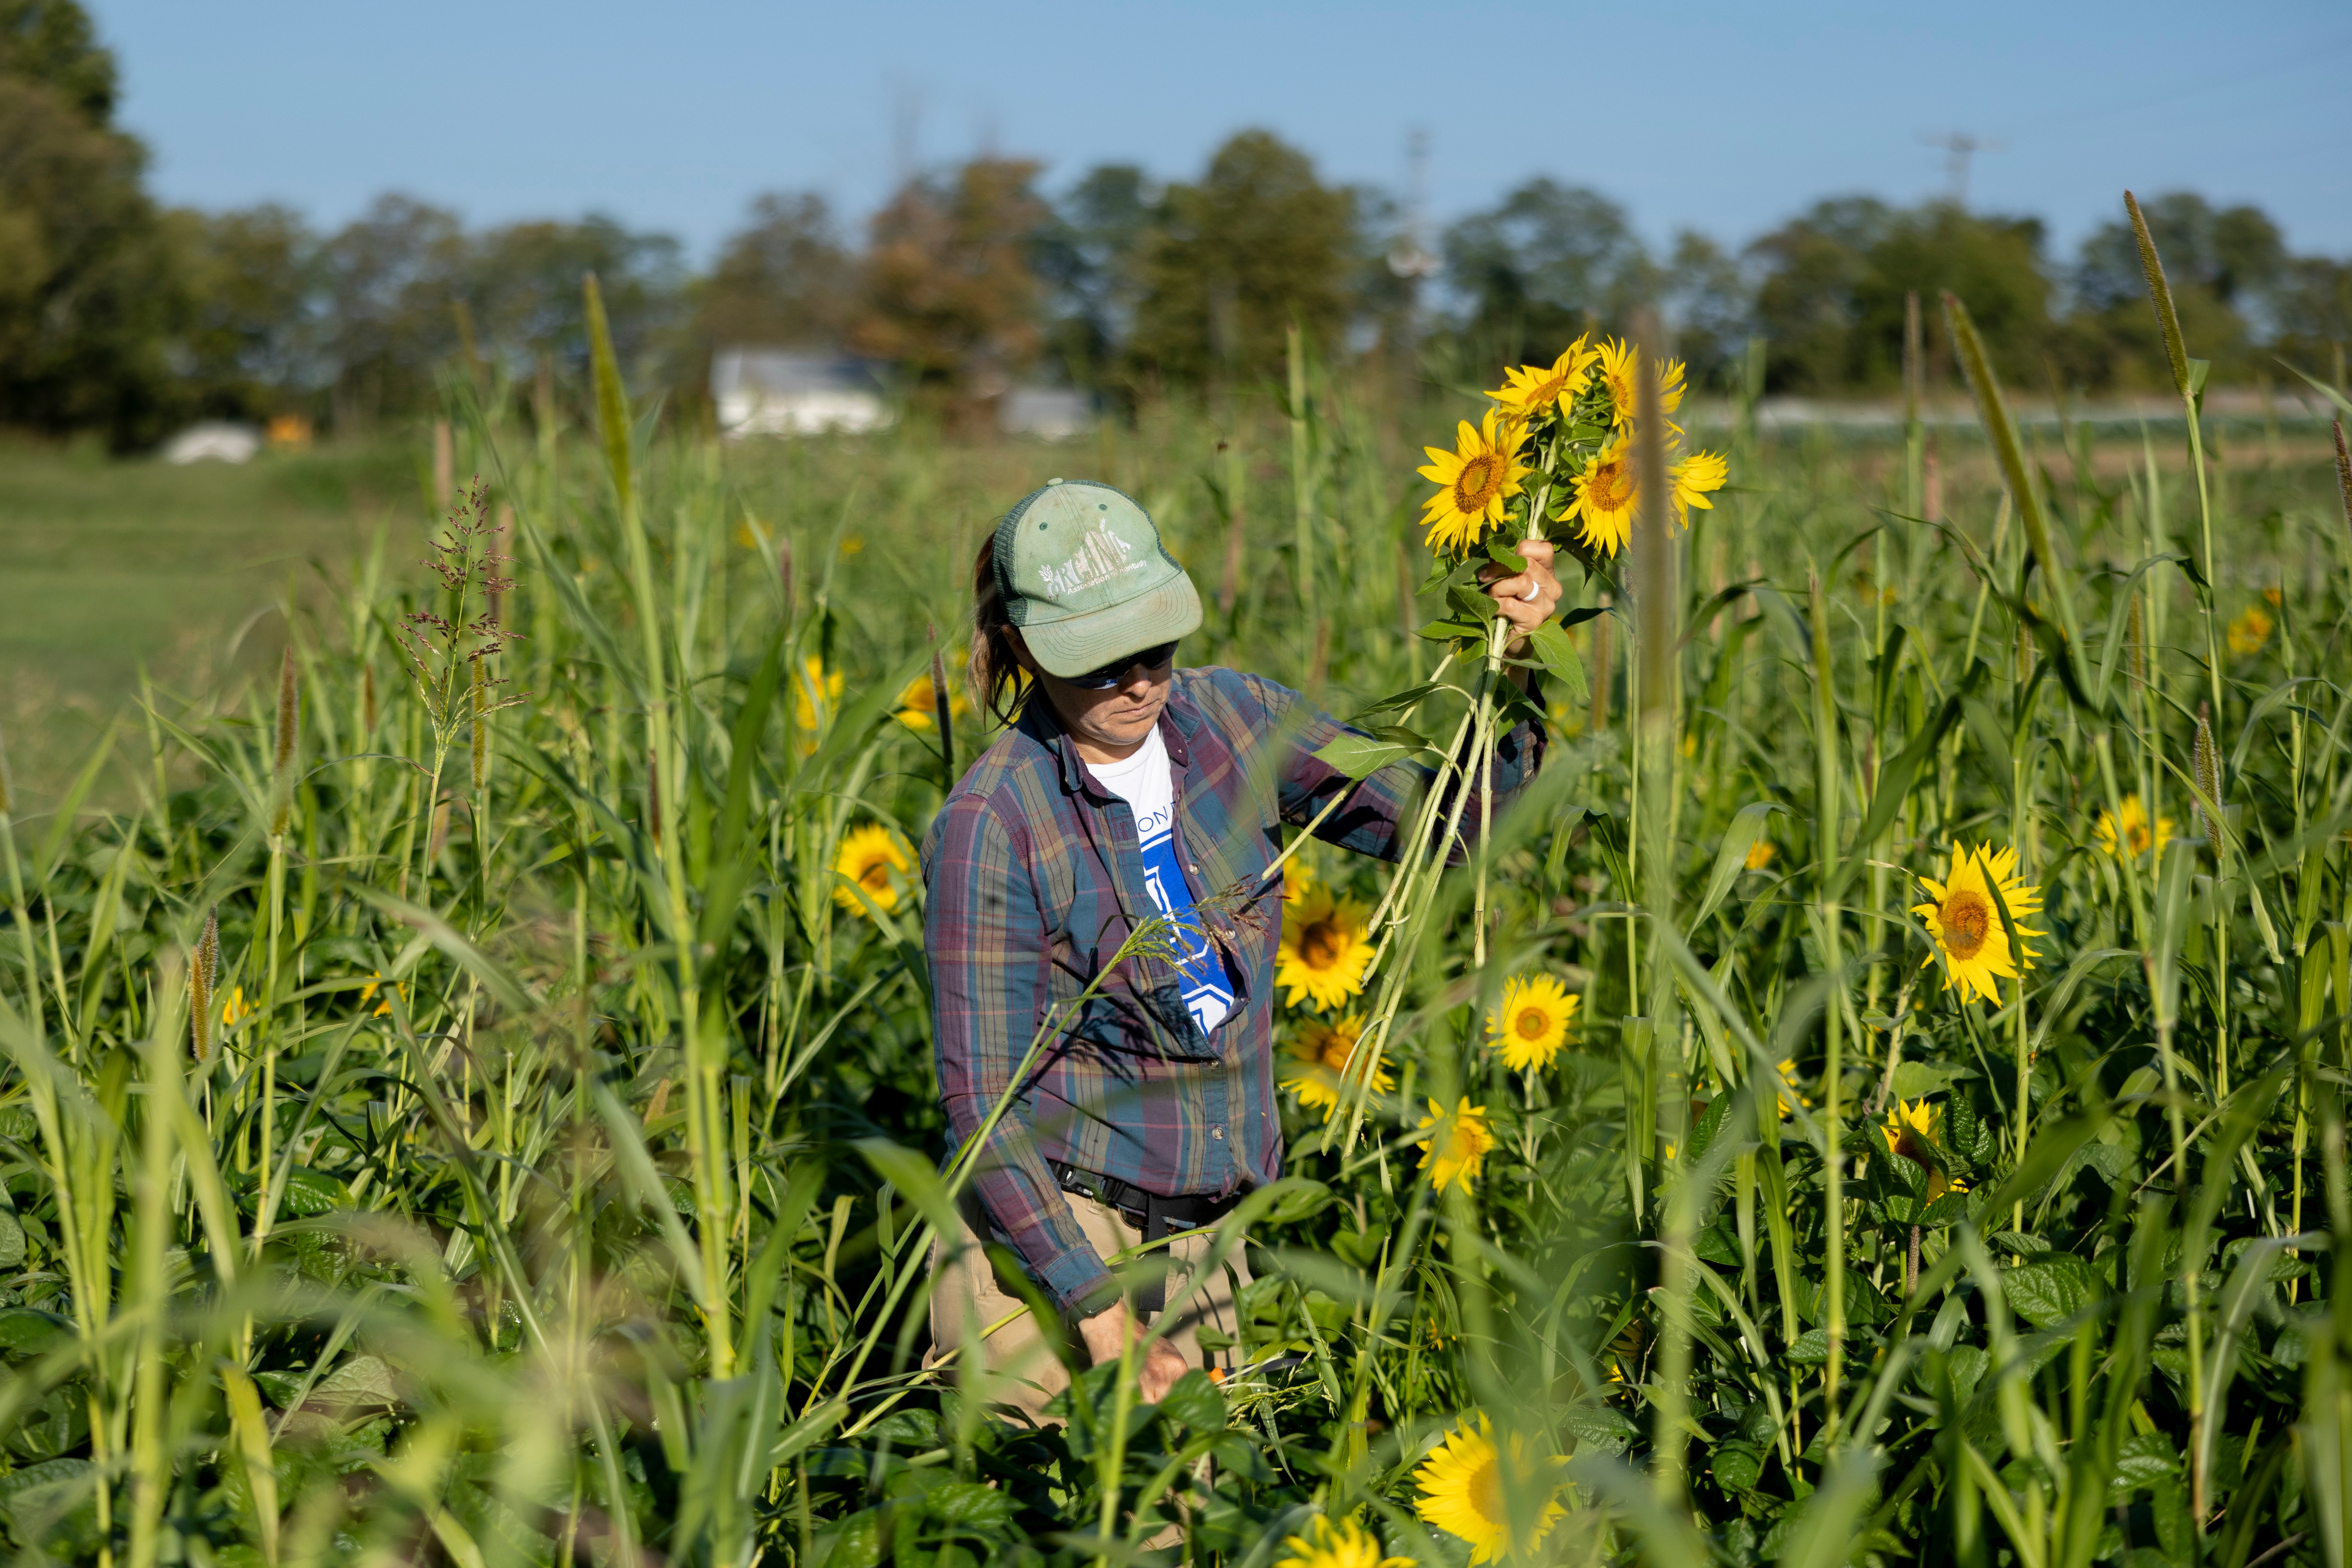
(998, 682)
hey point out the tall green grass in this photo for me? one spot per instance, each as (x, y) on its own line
(475, 1120)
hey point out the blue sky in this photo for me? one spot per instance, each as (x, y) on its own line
(674, 116)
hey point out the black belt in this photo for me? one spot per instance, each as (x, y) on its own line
(1154, 1215)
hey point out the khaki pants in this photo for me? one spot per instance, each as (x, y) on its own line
(1020, 1369)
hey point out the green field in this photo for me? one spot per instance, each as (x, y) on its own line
(108, 566)
(481, 1123)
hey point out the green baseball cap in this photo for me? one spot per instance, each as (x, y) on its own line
(1084, 575)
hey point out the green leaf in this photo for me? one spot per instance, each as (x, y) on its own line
(854, 1543)
(1551, 644)
(25, 1331)
(969, 1505)
(1448, 630)
(362, 1380)
(1398, 702)
(1731, 857)
(1309, 1199)
(2146, 1459)
(1194, 1403)
(1600, 1427)
(1503, 555)
(1737, 1466)
(1360, 756)
(310, 1192)
(2051, 1289)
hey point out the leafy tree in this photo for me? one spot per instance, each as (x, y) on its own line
(1831, 300)
(52, 42)
(1085, 255)
(1812, 267)
(251, 338)
(2223, 267)
(1994, 264)
(391, 277)
(783, 278)
(1550, 262)
(88, 293)
(949, 293)
(522, 285)
(1707, 307)
(1259, 242)
(2313, 304)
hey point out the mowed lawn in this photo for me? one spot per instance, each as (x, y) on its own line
(107, 565)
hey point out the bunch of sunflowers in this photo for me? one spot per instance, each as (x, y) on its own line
(1559, 448)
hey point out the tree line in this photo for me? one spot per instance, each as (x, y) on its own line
(122, 315)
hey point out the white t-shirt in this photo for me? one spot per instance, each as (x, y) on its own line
(1147, 783)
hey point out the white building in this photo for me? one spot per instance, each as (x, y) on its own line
(1050, 413)
(779, 392)
(214, 441)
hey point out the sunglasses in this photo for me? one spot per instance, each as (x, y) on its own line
(1111, 674)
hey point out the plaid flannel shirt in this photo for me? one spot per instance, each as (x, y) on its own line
(1035, 879)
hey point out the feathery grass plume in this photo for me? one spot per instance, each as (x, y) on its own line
(2343, 471)
(2160, 294)
(1992, 409)
(482, 726)
(2205, 762)
(612, 402)
(281, 762)
(204, 978)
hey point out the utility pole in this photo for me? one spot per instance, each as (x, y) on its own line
(1409, 257)
(1959, 147)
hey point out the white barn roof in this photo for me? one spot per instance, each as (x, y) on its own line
(783, 392)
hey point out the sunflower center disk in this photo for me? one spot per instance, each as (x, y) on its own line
(1319, 946)
(1613, 486)
(1477, 486)
(1968, 919)
(1532, 1024)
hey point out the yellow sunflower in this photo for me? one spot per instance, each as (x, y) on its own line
(1532, 390)
(1533, 1021)
(1692, 480)
(1298, 877)
(1337, 1543)
(1966, 924)
(2250, 631)
(1789, 1076)
(1621, 362)
(1462, 1492)
(1760, 853)
(919, 712)
(1324, 952)
(234, 1008)
(869, 856)
(1473, 480)
(2133, 829)
(367, 994)
(1319, 1055)
(1458, 1140)
(816, 693)
(1910, 1134)
(1602, 501)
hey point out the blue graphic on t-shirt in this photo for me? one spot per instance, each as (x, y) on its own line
(1208, 992)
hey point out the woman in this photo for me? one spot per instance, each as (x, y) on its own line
(1122, 788)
